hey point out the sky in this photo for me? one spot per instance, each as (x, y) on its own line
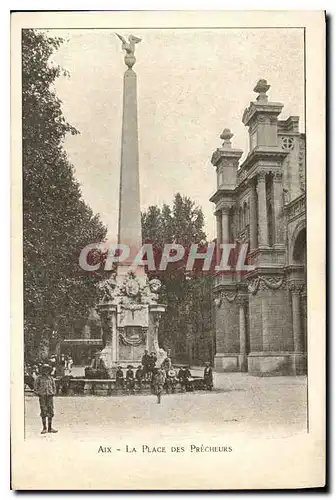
(192, 83)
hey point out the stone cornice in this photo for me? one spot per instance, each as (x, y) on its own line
(229, 154)
(222, 194)
(263, 153)
(273, 108)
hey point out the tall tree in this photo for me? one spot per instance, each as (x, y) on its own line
(187, 326)
(57, 223)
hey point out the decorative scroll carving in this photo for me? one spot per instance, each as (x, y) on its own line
(296, 287)
(138, 337)
(271, 283)
(229, 297)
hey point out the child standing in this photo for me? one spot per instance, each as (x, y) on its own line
(159, 378)
(45, 389)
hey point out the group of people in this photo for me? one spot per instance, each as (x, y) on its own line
(163, 376)
(59, 367)
(40, 377)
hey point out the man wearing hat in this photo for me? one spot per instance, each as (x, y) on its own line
(208, 378)
(119, 378)
(171, 380)
(45, 388)
(184, 376)
(139, 375)
(130, 382)
(158, 381)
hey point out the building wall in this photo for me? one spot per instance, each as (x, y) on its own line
(227, 322)
(271, 182)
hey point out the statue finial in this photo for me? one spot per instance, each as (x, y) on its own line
(261, 88)
(226, 135)
(129, 48)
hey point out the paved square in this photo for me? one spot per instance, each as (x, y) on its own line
(240, 403)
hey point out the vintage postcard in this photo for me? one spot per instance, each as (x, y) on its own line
(168, 218)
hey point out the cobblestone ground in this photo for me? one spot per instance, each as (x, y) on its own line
(240, 403)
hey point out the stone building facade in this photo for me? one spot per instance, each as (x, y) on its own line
(261, 314)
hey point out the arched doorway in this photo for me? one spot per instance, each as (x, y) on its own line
(298, 287)
(300, 249)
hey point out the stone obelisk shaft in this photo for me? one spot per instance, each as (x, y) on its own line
(129, 231)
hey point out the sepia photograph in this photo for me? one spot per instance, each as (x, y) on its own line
(160, 250)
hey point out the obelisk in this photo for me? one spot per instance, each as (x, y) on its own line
(129, 228)
(128, 301)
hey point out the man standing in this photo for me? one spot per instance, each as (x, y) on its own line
(159, 377)
(166, 365)
(208, 378)
(45, 389)
(171, 380)
(119, 378)
(152, 363)
(139, 376)
(145, 361)
(130, 382)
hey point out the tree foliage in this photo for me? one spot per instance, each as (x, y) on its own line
(187, 326)
(57, 223)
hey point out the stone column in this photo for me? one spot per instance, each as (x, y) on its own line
(219, 236)
(278, 207)
(296, 289)
(242, 301)
(262, 209)
(253, 216)
(225, 225)
(129, 231)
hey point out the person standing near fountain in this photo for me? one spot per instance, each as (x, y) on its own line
(159, 378)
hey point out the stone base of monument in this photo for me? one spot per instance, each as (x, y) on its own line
(130, 316)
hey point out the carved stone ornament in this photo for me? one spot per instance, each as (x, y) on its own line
(277, 176)
(261, 176)
(129, 48)
(136, 338)
(242, 300)
(229, 297)
(226, 136)
(106, 289)
(261, 282)
(132, 293)
(218, 301)
(287, 143)
(132, 288)
(296, 287)
(155, 285)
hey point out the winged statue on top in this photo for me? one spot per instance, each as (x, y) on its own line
(129, 48)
